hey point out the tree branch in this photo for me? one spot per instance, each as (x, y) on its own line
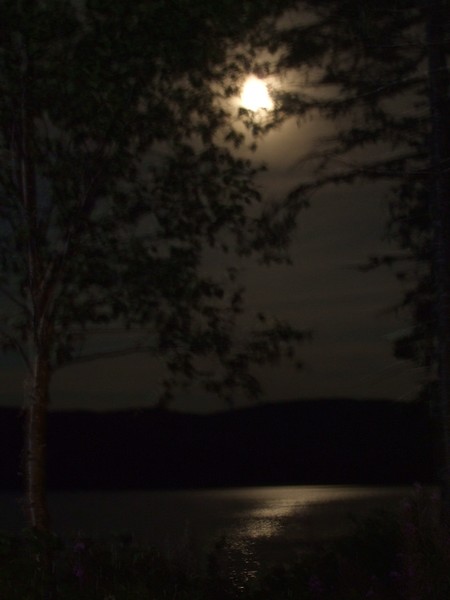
(17, 346)
(14, 300)
(108, 354)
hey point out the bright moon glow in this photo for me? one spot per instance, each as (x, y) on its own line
(255, 95)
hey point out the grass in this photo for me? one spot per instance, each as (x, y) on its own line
(386, 557)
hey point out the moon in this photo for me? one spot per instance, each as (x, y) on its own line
(255, 95)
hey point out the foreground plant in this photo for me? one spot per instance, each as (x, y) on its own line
(84, 568)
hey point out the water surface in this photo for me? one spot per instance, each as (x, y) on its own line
(260, 524)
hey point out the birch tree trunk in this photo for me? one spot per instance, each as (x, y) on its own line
(37, 399)
(39, 342)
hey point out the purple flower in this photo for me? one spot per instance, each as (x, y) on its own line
(409, 529)
(78, 571)
(435, 497)
(79, 546)
(394, 575)
(407, 506)
(315, 585)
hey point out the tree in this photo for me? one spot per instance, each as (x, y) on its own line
(439, 102)
(118, 172)
(383, 67)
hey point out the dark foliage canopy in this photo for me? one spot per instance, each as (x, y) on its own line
(120, 168)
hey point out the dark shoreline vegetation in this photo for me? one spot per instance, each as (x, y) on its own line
(308, 442)
(390, 555)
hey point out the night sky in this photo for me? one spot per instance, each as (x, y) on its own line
(351, 351)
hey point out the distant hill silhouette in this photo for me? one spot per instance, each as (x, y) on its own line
(326, 441)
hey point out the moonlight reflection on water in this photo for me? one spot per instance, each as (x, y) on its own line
(276, 524)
